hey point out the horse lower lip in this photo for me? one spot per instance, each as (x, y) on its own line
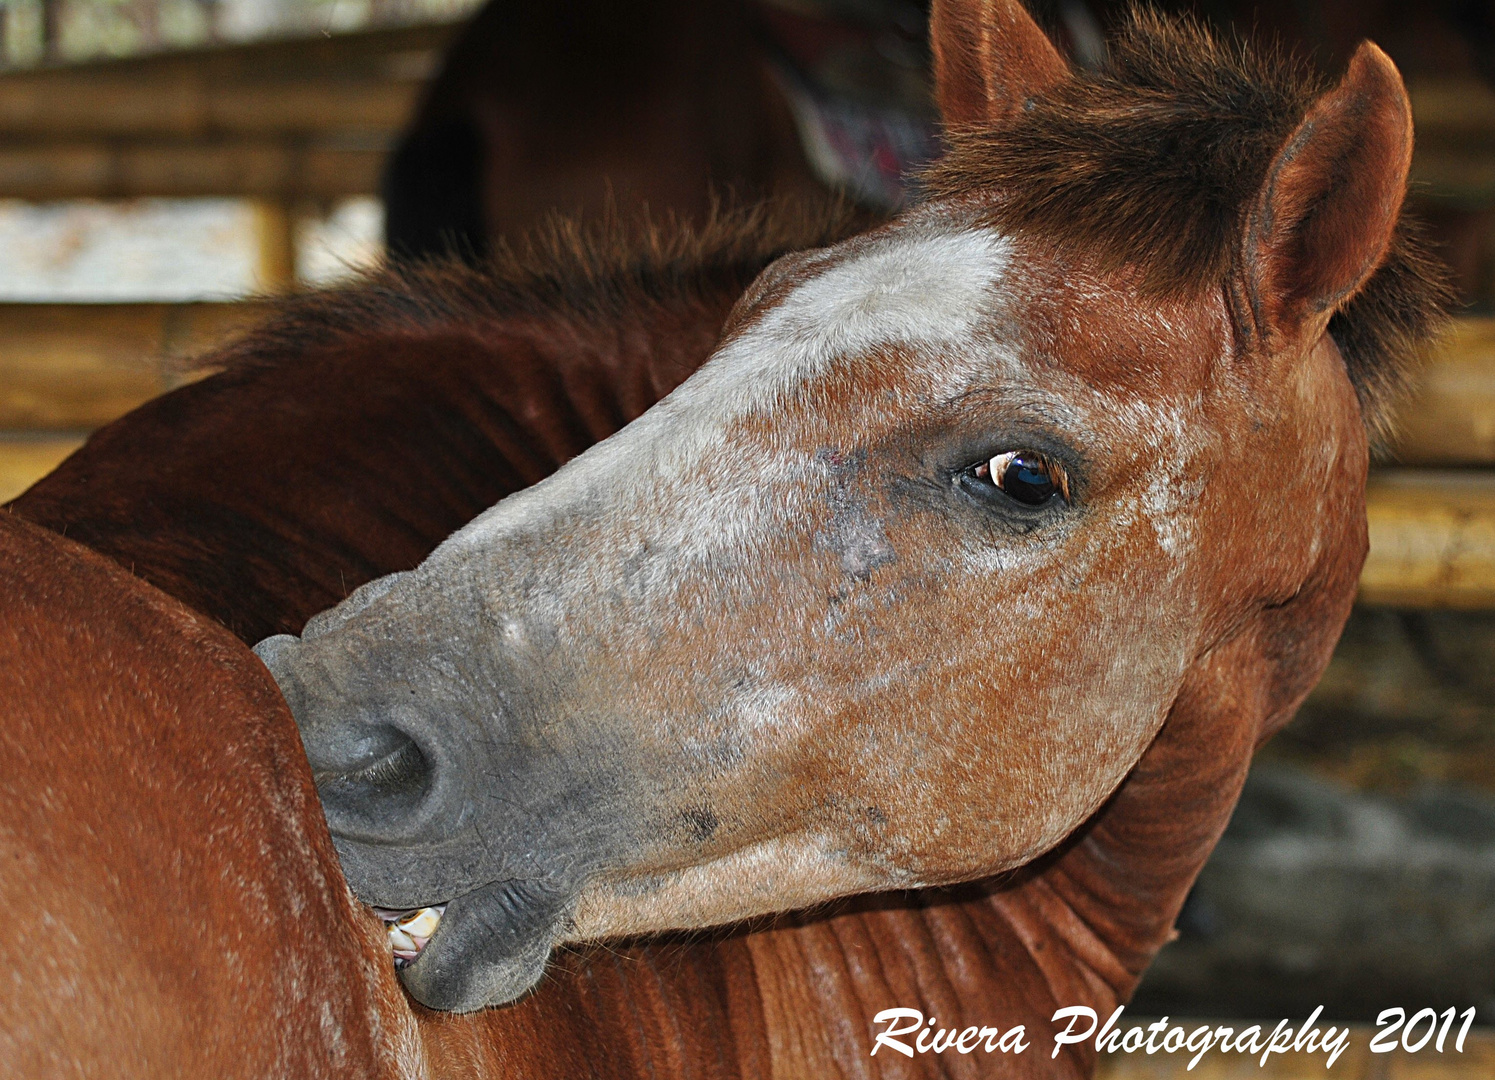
(410, 931)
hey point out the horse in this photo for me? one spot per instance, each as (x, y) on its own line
(900, 585)
(346, 439)
(589, 105)
(1080, 924)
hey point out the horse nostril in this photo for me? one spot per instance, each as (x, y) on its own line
(371, 780)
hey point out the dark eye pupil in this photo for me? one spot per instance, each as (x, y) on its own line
(1027, 481)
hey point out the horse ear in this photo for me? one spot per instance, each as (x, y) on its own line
(1325, 216)
(989, 57)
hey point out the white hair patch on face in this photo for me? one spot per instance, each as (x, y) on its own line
(918, 285)
(911, 287)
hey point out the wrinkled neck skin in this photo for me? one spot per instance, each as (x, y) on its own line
(764, 647)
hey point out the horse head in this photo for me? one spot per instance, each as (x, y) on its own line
(900, 584)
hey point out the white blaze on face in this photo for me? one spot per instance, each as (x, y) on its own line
(928, 289)
(918, 284)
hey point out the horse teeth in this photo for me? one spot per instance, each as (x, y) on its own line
(401, 941)
(410, 931)
(422, 923)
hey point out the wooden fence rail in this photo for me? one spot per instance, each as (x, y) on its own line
(305, 85)
(1432, 539)
(296, 119)
(288, 168)
(1452, 420)
(79, 366)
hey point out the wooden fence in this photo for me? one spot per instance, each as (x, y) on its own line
(279, 120)
(285, 123)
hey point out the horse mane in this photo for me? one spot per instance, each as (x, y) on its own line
(1154, 161)
(612, 272)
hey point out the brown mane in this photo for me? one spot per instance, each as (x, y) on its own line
(1155, 161)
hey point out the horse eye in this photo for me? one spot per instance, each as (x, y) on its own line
(1025, 475)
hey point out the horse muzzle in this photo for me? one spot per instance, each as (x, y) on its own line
(421, 820)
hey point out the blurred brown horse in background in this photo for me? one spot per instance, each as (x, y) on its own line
(585, 106)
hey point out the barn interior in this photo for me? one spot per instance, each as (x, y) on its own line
(168, 167)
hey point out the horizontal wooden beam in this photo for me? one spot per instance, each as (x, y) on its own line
(1453, 110)
(284, 169)
(1432, 539)
(351, 82)
(331, 162)
(26, 458)
(281, 120)
(1452, 419)
(1454, 159)
(367, 84)
(187, 105)
(124, 128)
(1458, 175)
(79, 366)
(56, 352)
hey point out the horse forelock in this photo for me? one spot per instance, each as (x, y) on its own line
(1155, 161)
